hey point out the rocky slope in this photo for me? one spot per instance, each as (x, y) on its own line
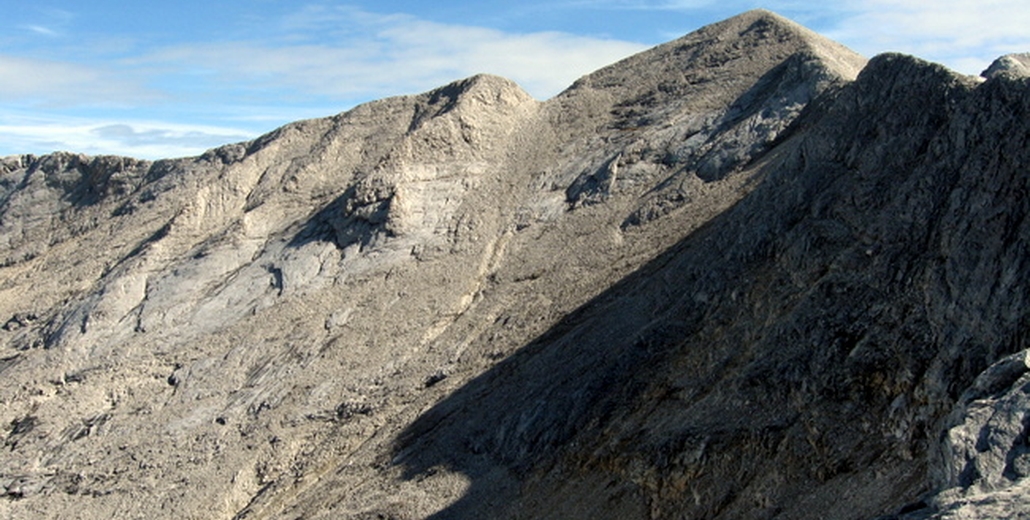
(730, 277)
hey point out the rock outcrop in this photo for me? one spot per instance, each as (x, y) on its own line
(1014, 64)
(745, 274)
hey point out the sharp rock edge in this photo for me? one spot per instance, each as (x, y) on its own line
(744, 274)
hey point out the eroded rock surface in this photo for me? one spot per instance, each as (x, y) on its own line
(730, 277)
(1017, 65)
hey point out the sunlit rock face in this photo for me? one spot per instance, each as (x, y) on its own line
(744, 274)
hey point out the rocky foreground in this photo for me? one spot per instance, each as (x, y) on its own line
(745, 274)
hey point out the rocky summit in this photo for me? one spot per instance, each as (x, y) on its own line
(744, 274)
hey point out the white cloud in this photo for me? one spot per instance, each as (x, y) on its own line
(320, 57)
(39, 29)
(965, 36)
(44, 82)
(332, 56)
(960, 34)
(142, 139)
(54, 22)
(363, 55)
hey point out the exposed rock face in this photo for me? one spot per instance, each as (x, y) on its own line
(725, 278)
(1013, 64)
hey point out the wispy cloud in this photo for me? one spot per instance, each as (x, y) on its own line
(39, 29)
(966, 36)
(324, 58)
(366, 54)
(318, 57)
(51, 83)
(143, 139)
(51, 23)
(963, 35)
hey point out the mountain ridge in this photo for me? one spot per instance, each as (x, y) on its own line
(725, 278)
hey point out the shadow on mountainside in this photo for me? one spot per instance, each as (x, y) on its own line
(807, 341)
(577, 376)
(344, 223)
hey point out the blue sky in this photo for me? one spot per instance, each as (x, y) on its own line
(165, 79)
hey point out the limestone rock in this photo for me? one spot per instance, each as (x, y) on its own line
(745, 274)
(1013, 64)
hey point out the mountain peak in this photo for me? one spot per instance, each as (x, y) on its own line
(751, 16)
(484, 89)
(1017, 64)
(743, 46)
(770, 28)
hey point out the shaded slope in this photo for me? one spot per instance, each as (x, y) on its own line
(534, 284)
(808, 342)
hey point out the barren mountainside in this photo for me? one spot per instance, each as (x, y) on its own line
(744, 274)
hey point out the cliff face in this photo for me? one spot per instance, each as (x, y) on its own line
(724, 278)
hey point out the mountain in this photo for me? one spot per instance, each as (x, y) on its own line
(744, 274)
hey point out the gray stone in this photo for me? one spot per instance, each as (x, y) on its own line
(1017, 65)
(744, 274)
